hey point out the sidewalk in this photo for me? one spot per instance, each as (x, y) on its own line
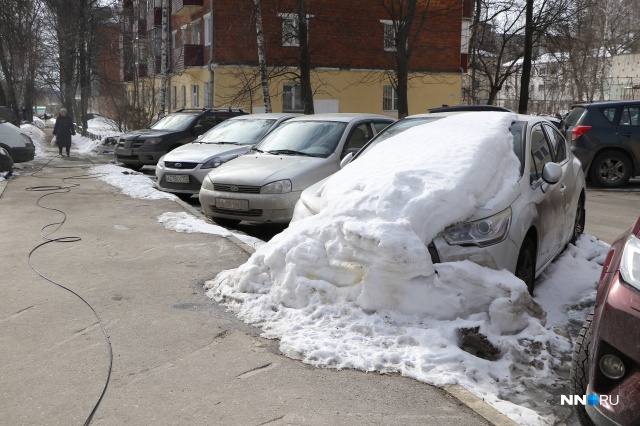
(178, 357)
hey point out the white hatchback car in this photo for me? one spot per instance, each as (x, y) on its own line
(529, 228)
(182, 170)
(265, 184)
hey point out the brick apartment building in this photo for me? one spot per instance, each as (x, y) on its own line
(351, 48)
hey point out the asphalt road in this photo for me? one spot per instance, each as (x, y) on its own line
(612, 211)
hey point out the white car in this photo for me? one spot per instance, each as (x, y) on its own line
(532, 224)
(265, 184)
(182, 170)
(19, 146)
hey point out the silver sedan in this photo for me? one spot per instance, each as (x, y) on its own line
(543, 212)
(265, 184)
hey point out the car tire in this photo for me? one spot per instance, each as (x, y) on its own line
(579, 373)
(226, 223)
(526, 265)
(610, 169)
(135, 167)
(578, 223)
(183, 197)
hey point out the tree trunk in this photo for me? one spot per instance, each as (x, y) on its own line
(526, 60)
(162, 92)
(305, 58)
(264, 77)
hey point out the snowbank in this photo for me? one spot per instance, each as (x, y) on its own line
(37, 136)
(133, 184)
(354, 287)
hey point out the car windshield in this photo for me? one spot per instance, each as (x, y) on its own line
(174, 122)
(314, 138)
(240, 132)
(396, 128)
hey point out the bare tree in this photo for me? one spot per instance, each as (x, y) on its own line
(262, 56)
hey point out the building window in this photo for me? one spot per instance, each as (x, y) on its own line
(195, 96)
(290, 29)
(464, 37)
(184, 96)
(389, 98)
(174, 99)
(174, 38)
(207, 98)
(207, 29)
(389, 36)
(542, 72)
(183, 35)
(194, 29)
(292, 97)
(157, 37)
(153, 3)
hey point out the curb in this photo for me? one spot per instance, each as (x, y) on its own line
(465, 397)
(3, 185)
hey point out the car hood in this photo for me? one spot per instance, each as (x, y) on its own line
(147, 133)
(260, 169)
(201, 152)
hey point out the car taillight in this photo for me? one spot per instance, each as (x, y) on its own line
(579, 131)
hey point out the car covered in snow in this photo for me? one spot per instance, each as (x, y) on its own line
(606, 358)
(19, 145)
(265, 184)
(182, 170)
(540, 210)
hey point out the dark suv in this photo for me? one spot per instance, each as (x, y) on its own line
(605, 136)
(145, 147)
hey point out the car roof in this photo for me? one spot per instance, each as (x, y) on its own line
(606, 103)
(519, 117)
(448, 108)
(338, 116)
(265, 115)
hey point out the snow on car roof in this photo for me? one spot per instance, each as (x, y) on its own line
(337, 116)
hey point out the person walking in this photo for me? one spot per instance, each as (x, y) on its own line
(63, 130)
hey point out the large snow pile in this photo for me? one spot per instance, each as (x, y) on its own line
(133, 184)
(99, 126)
(354, 287)
(37, 136)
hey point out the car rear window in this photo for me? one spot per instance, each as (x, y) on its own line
(609, 113)
(574, 115)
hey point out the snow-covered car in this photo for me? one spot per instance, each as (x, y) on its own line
(18, 145)
(182, 170)
(606, 358)
(265, 184)
(540, 211)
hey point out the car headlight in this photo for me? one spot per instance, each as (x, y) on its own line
(153, 141)
(214, 162)
(278, 187)
(483, 232)
(630, 262)
(161, 162)
(207, 184)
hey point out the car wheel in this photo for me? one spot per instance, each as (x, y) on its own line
(183, 197)
(610, 169)
(526, 266)
(136, 167)
(578, 224)
(579, 374)
(227, 223)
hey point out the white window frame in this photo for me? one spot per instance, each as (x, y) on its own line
(464, 36)
(207, 101)
(389, 36)
(183, 35)
(194, 32)
(295, 91)
(207, 29)
(174, 101)
(195, 96)
(184, 96)
(174, 39)
(389, 98)
(290, 38)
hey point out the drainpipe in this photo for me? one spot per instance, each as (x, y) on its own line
(211, 93)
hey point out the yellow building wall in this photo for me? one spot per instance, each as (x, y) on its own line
(355, 91)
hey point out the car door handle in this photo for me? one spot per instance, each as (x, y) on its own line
(627, 134)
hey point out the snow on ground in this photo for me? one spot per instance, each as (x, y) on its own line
(137, 185)
(36, 135)
(354, 287)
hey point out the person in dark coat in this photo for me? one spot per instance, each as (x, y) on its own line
(63, 130)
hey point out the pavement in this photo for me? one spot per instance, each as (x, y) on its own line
(178, 357)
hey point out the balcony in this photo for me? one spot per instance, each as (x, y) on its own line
(186, 7)
(140, 27)
(189, 55)
(141, 70)
(154, 17)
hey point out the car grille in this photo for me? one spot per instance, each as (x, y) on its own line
(180, 165)
(240, 189)
(128, 144)
(251, 213)
(435, 257)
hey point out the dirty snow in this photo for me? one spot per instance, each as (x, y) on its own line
(353, 287)
(36, 135)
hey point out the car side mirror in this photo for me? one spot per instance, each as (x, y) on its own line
(199, 129)
(552, 173)
(346, 160)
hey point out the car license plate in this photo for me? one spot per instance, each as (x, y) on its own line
(177, 178)
(230, 204)
(122, 151)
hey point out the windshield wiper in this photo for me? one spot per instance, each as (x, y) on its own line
(258, 150)
(227, 143)
(290, 152)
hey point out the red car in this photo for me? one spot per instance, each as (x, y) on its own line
(606, 358)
